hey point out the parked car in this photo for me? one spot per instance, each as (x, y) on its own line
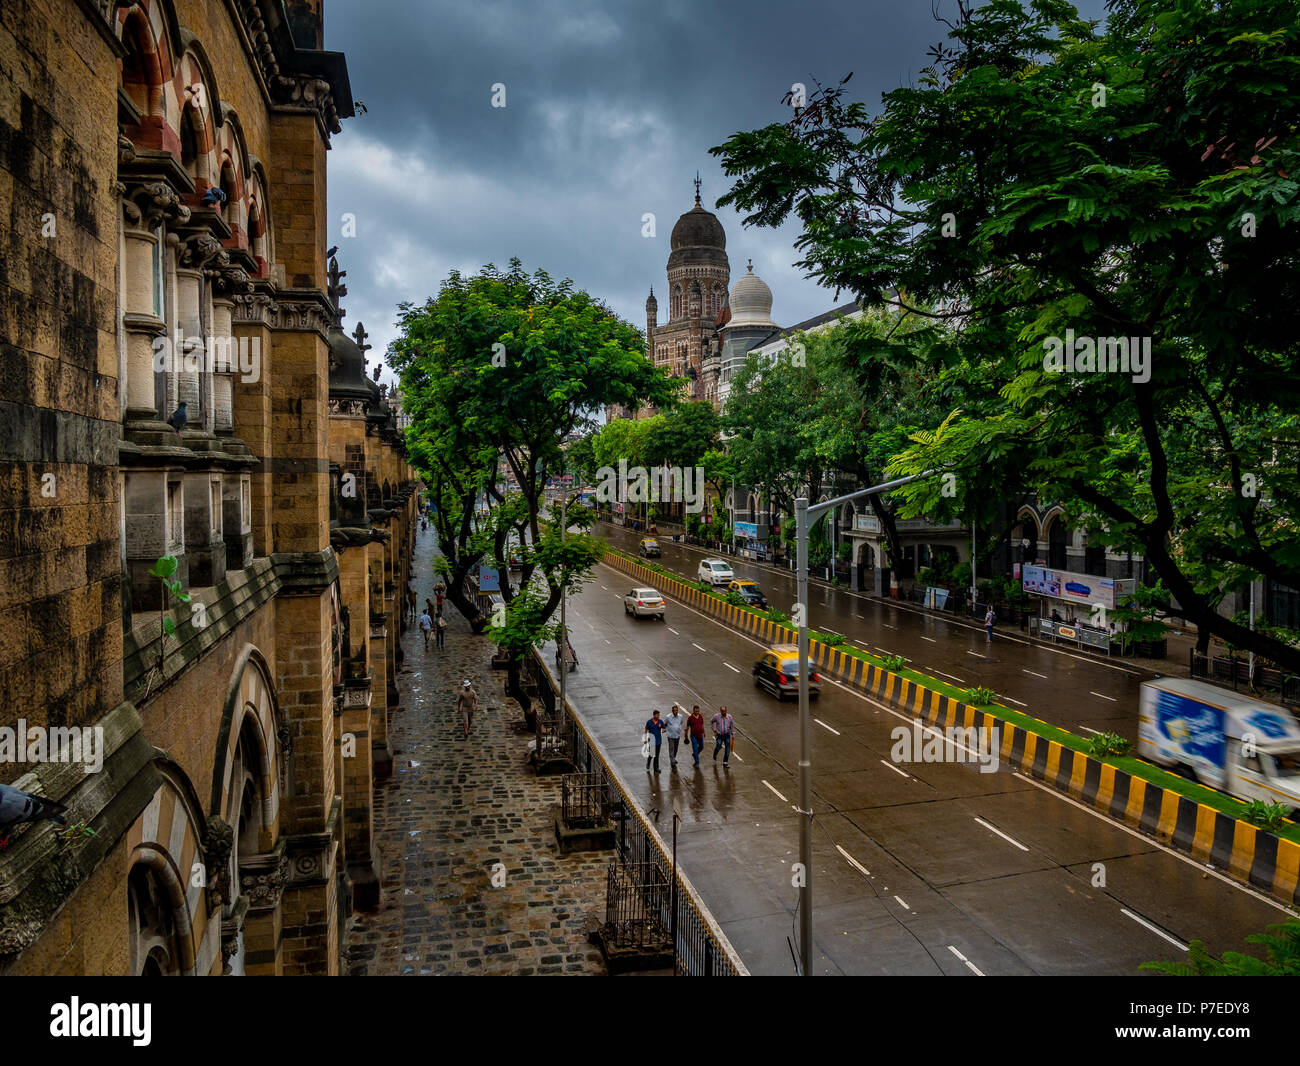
(749, 592)
(640, 602)
(715, 572)
(777, 670)
(648, 547)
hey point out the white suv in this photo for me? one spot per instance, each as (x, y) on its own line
(715, 572)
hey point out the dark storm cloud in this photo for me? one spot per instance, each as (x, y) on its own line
(610, 110)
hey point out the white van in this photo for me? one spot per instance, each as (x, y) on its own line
(1243, 746)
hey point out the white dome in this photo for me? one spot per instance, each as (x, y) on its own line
(751, 302)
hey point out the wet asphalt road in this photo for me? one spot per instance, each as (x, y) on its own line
(919, 867)
(1066, 688)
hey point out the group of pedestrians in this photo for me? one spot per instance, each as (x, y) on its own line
(673, 726)
(432, 622)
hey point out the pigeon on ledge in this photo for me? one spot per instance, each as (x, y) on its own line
(178, 418)
(17, 807)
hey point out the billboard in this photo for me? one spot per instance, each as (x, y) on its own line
(488, 579)
(1073, 587)
(748, 530)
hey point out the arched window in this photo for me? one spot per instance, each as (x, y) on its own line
(141, 71)
(677, 301)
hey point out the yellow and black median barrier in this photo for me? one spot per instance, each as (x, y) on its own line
(1186, 816)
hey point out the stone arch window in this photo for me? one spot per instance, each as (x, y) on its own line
(677, 301)
(1058, 539)
(230, 210)
(151, 924)
(141, 71)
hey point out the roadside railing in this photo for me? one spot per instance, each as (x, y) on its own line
(643, 864)
(586, 801)
(1236, 673)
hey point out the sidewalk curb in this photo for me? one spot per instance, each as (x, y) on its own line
(1247, 853)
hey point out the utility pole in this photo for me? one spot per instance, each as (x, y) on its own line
(804, 515)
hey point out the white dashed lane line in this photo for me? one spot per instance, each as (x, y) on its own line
(652, 680)
(694, 645)
(1003, 835)
(1103, 696)
(1158, 932)
(902, 904)
(731, 668)
(1015, 701)
(1034, 672)
(673, 631)
(825, 726)
(976, 654)
(895, 769)
(774, 791)
(930, 639)
(853, 862)
(969, 965)
(1089, 729)
(952, 677)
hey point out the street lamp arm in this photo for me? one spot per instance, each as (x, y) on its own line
(815, 511)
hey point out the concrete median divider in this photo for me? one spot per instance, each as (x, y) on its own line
(1235, 847)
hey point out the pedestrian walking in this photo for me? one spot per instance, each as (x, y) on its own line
(426, 627)
(654, 729)
(466, 705)
(410, 602)
(673, 731)
(695, 725)
(440, 631)
(429, 608)
(989, 619)
(723, 730)
(438, 590)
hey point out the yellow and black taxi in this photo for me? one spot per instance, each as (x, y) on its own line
(749, 592)
(778, 672)
(649, 547)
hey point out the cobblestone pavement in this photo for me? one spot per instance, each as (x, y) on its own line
(454, 809)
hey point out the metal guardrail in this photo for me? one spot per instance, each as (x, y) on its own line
(701, 949)
(586, 801)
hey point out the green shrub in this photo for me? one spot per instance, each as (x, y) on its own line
(779, 617)
(894, 663)
(831, 640)
(735, 598)
(1102, 744)
(1268, 816)
(979, 696)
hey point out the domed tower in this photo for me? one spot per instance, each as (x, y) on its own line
(749, 325)
(698, 275)
(651, 315)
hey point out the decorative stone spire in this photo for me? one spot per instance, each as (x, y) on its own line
(697, 188)
(336, 289)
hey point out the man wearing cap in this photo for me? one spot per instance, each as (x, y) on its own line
(466, 705)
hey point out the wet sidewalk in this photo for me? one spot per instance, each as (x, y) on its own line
(453, 810)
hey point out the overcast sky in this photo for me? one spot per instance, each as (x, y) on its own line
(611, 108)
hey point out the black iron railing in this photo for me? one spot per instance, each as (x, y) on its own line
(1236, 673)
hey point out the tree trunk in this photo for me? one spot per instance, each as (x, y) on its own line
(515, 689)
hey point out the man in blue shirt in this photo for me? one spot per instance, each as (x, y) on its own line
(654, 731)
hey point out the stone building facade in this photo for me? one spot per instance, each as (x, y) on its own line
(162, 174)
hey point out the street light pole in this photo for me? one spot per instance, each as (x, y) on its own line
(804, 516)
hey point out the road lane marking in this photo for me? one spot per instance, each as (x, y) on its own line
(1015, 701)
(1205, 869)
(853, 862)
(954, 677)
(1003, 835)
(652, 680)
(930, 639)
(774, 791)
(825, 726)
(1158, 932)
(673, 631)
(739, 759)
(1034, 672)
(970, 965)
(604, 587)
(606, 640)
(902, 904)
(896, 769)
(1103, 696)
(694, 645)
(730, 667)
(1088, 728)
(883, 651)
(885, 624)
(976, 654)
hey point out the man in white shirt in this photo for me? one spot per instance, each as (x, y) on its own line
(673, 731)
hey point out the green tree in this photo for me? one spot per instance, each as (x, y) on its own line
(506, 365)
(1135, 182)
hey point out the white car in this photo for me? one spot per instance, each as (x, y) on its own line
(715, 572)
(642, 602)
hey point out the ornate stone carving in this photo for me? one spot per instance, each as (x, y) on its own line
(125, 149)
(262, 880)
(305, 92)
(229, 278)
(147, 204)
(200, 249)
(218, 840)
(260, 309)
(355, 408)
